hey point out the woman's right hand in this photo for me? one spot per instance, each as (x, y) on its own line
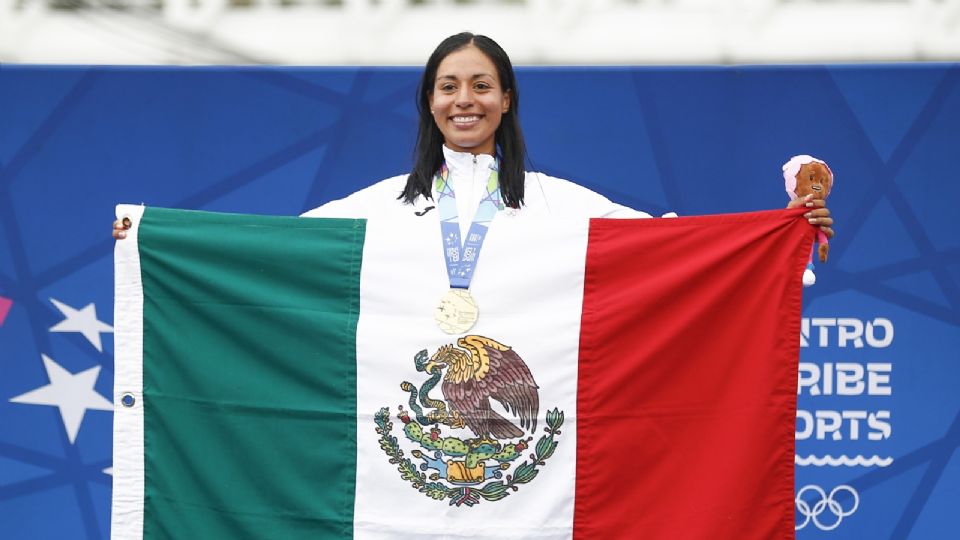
(120, 228)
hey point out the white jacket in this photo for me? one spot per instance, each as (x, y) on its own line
(543, 196)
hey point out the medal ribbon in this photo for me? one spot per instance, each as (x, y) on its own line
(461, 255)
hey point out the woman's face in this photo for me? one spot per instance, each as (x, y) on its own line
(468, 101)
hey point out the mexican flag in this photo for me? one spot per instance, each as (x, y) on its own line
(285, 378)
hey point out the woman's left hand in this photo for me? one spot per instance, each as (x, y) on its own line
(818, 215)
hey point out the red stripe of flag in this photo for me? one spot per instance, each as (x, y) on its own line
(687, 378)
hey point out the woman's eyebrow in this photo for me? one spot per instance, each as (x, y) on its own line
(454, 77)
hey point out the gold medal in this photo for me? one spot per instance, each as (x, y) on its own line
(457, 311)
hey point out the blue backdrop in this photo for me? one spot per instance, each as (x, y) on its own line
(878, 424)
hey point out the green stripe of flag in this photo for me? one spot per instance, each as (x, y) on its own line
(249, 374)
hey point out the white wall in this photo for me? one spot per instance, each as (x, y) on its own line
(378, 32)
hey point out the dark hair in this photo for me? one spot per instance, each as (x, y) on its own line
(428, 154)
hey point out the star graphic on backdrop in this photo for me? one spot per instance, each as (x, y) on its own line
(72, 393)
(81, 320)
(5, 304)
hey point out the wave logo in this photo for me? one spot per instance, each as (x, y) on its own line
(826, 511)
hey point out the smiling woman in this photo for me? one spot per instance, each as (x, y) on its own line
(469, 167)
(469, 163)
(471, 92)
(470, 143)
(470, 147)
(469, 125)
(468, 100)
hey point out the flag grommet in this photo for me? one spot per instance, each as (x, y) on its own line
(127, 400)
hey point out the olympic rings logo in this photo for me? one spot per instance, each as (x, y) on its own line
(825, 503)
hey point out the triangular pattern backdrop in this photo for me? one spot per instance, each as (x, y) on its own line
(879, 417)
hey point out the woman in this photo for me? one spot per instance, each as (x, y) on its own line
(469, 130)
(468, 170)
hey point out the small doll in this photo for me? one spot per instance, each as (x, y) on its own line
(806, 175)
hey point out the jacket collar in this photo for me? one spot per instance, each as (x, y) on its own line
(462, 163)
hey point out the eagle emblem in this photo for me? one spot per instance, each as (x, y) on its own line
(468, 451)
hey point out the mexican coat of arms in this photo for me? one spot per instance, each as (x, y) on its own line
(465, 450)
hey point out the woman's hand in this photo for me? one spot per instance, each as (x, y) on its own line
(818, 215)
(120, 228)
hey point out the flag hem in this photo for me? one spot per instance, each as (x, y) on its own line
(791, 313)
(349, 495)
(126, 519)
